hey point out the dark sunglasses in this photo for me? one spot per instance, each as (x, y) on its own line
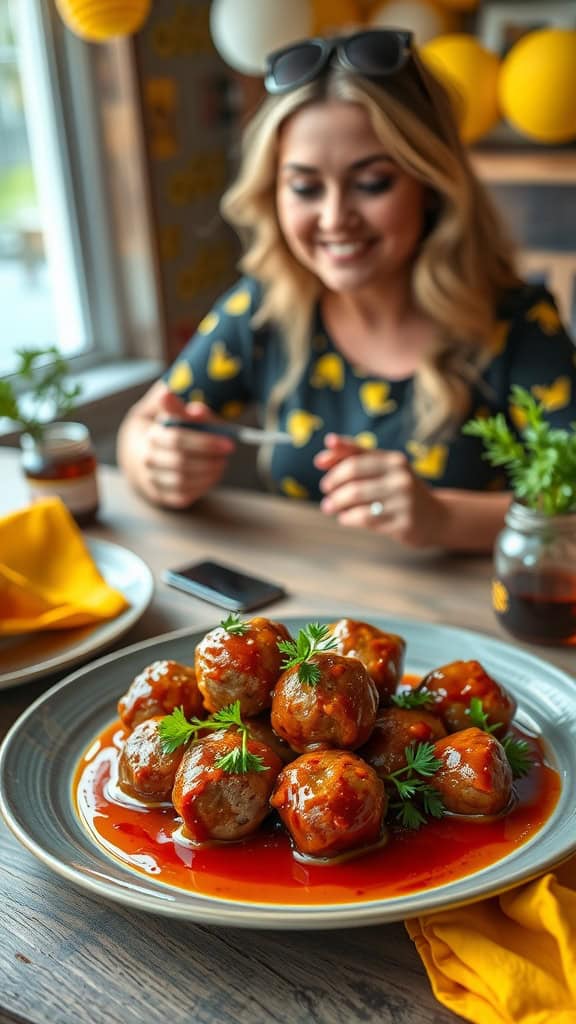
(375, 54)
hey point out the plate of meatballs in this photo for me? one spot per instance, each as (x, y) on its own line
(299, 774)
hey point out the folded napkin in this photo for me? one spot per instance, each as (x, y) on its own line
(48, 579)
(510, 959)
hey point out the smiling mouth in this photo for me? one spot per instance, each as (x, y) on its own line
(345, 250)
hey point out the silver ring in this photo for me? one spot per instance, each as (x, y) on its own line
(376, 509)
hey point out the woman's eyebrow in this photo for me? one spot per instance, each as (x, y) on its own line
(356, 166)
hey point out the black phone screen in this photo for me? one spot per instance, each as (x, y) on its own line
(223, 585)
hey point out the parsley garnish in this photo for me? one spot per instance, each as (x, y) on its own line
(519, 756)
(417, 799)
(233, 625)
(175, 730)
(311, 640)
(413, 698)
(479, 718)
(517, 751)
(541, 463)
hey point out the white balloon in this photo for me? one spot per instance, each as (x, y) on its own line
(419, 18)
(245, 31)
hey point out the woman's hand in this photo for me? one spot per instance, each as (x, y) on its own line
(171, 466)
(355, 478)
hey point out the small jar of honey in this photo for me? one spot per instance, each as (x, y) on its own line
(62, 464)
(534, 584)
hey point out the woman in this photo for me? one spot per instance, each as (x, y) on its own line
(380, 309)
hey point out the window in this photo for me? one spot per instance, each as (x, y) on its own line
(76, 249)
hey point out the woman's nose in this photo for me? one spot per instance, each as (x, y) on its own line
(336, 210)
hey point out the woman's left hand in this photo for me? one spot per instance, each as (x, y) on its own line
(379, 490)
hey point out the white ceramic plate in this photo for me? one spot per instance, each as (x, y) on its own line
(33, 655)
(40, 754)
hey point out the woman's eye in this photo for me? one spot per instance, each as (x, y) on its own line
(305, 191)
(376, 185)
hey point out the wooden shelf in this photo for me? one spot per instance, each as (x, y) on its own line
(525, 166)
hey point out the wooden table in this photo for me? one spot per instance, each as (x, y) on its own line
(66, 958)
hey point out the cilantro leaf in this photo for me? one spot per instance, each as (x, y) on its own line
(233, 625)
(417, 798)
(311, 640)
(175, 730)
(417, 698)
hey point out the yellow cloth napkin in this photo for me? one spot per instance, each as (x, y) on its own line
(510, 959)
(48, 579)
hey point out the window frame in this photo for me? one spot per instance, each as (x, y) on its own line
(118, 286)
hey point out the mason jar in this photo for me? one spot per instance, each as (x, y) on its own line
(534, 584)
(63, 464)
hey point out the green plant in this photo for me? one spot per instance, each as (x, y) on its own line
(540, 459)
(45, 394)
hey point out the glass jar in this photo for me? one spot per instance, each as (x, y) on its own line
(63, 464)
(534, 584)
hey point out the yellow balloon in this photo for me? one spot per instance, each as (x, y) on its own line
(471, 71)
(334, 16)
(98, 20)
(538, 85)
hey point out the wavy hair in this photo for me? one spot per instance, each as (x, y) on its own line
(464, 262)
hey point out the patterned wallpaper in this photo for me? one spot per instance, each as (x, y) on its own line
(190, 101)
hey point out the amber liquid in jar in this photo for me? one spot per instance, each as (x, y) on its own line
(63, 465)
(541, 609)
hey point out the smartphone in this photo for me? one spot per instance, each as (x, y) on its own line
(223, 585)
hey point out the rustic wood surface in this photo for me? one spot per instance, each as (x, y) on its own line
(66, 958)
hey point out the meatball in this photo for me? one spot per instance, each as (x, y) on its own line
(157, 690)
(339, 710)
(242, 666)
(396, 729)
(452, 688)
(381, 653)
(144, 770)
(475, 777)
(331, 802)
(260, 728)
(218, 805)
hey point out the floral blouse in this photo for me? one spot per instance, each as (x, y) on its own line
(228, 364)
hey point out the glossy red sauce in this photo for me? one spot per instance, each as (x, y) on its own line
(262, 868)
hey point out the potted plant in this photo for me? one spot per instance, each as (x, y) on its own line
(57, 456)
(534, 584)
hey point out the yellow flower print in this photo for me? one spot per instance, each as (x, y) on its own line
(546, 316)
(500, 597)
(232, 410)
(328, 372)
(208, 324)
(181, 377)
(301, 425)
(292, 489)
(238, 303)
(499, 337)
(518, 417)
(366, 439)
(554, 396)
(429, 461)
(222, 365)
(374, 396)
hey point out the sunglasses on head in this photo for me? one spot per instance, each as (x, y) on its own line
(375, 54)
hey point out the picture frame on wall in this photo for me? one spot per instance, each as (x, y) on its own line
(501, 25)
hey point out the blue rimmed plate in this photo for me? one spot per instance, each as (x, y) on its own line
(40, 754)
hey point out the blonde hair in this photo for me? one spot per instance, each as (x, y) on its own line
(463, 264)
